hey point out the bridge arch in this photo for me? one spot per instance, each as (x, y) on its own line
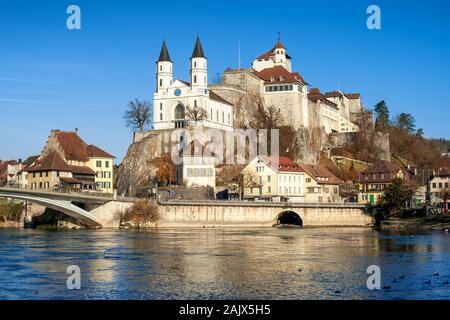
(289, 217)
(59, 205)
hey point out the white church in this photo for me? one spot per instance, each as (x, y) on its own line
(178, 103)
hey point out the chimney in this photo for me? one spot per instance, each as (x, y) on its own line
(76, 130)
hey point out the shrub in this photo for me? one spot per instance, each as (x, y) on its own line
(10, 210)
(141, 213)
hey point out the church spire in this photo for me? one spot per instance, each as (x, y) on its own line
(198, 50)
(164, 55)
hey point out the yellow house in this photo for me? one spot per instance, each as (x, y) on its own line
(103, 165)
(274, 180)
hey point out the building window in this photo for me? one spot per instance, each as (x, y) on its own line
(160, 116)
(106, 164)
(160, 106)
(195, 79)
(268, 178)
(229, 119)
(99, 164)
(308, 180)
(160, 83)
(269, 189)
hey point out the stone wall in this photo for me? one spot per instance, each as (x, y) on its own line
(254, 214)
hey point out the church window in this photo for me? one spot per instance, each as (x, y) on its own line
(160, 82)
(195, 79)
(160, 68)
(160, 117)
(160, 106)
(195, 64)
(179, 112)
(195, 103)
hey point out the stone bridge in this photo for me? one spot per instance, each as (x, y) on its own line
(92, 210)
(222, 213)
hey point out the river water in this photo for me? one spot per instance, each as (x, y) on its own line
(278, 263)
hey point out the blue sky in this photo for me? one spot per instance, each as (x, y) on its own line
(51, 77)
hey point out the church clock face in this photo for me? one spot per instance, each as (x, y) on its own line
(177, 92)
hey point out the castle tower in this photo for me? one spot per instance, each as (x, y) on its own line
(199, 74)
(280, 57)
(164, 73)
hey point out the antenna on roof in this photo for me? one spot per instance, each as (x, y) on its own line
(239, 55)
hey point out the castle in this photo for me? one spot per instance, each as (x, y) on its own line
(180, 103)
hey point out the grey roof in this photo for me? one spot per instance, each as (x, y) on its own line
(198, 50)
(164, 55)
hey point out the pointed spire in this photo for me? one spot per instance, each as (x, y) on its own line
(198, 50)
(164, 55)
(279, 45)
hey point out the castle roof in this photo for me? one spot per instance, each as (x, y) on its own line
(164, 55)
(315, 95)
(198, 50)
(278, 74)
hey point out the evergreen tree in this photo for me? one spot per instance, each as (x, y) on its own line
(382, 115)
(406, 122)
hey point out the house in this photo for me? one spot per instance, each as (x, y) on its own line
(438, 183)
(274, 179)
(320, 184)
(67, 161)
(7, 171)
(376, 178)
(281, 179)
(22, 175)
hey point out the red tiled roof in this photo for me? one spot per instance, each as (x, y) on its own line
(382, 166)
(284, 164)
(315, 95)
(321, 174)
(95, 152)
(73, 146)
(353, 95)
(81, 170)
(278, 74)
(51, 162)
(269, 53)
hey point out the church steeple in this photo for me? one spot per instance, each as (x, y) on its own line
(198, 50)
(164, 55)
(199, 73)
(164, 75)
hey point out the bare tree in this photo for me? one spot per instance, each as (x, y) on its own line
(137, 117)
(245, 181)
(196, 114)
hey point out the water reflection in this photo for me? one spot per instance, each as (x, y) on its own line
(303, 263)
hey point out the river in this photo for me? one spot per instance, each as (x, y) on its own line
(278, 263)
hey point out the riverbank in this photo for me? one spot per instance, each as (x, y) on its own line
(431, 223)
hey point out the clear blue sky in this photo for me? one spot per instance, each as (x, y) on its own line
(54, 78)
